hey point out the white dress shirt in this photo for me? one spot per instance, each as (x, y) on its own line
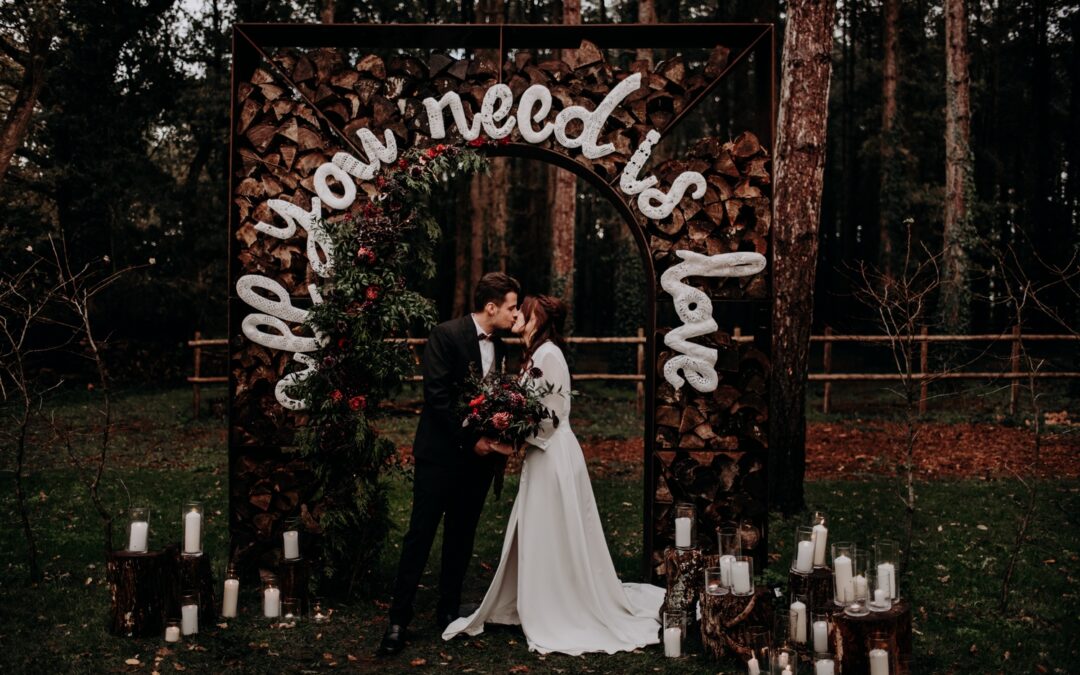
(487, 348)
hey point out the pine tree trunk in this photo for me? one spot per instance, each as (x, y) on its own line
(562, 200)
(958, 229)
(646, 13)
(476, 231)
(888, 202)
(498, 190)
(461, 259)
(17, 121)
(800, 163)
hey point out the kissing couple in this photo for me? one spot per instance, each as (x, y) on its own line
(555, 577)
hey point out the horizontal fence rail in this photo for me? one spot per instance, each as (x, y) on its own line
(924, 375)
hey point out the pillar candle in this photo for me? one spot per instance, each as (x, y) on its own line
(752, 667)
(228, 604)
(682, 532)
(798, 626)
(886, 578)
(271, 603)
(821, 636)
(725, 569)
(845, 586)
(189, 619)
(880, 598)
(804, 561)
(714, 588)
(782, 660)
(862, 591)
(192, 532)
(673, 642)
(172, 634)
(137, 540)
(825, 667)
(821, 535)
(740, 577)
(292, 545)
(879, 662)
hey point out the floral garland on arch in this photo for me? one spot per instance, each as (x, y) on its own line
(381, 245)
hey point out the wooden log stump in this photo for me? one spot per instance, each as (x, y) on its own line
(193, 575)
(852, 636)
(138, 592)
(816, 586)
(293, 578)
(684, 572)
(726, 621)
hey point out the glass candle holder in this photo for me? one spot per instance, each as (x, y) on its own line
(730, 546)
(271, 597)
(291, 544)
(802, 560)
(785, 661)
(824, 664)
(231, 593)
(320, 613)
(290, 612)
(843, 559)
(674, 631)
(138, 529)
(759, 641)
(887, 568)
(192, 518)
(685, 525)
(189, 614)
(172, 630)
(742, 576)
(879, 653)
(714, 581)
(821, 631)
(820, 537)
(799, 619)
(861, 585)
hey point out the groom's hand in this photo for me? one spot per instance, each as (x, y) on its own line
(485, 446)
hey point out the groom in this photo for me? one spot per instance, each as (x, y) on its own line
(453, 469)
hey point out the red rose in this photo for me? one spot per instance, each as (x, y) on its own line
(501, 420)
(402, 163)
(432, 153)
(381, 182)
(372, 293)
(366, 254)
(477, 401)
(357, 402)
(476, 142)
(336, 396)
(342, 342)
(504, 140)
(440, 147)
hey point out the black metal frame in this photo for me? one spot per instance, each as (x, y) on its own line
(249, 47)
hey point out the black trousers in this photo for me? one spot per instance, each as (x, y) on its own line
(458, 492)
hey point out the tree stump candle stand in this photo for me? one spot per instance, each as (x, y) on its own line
(138, 591)
(726, 620)
(293, 577)
(817, 586)
(853, 634)
(684, 570)
(193, 575)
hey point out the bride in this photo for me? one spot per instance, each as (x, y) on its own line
(555, 577)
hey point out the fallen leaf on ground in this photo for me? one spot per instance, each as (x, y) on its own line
(418, 662)
(133, 662)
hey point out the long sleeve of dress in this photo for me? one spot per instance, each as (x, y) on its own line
(549, 359)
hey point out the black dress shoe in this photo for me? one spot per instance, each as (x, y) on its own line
(444, 620)
(393, 640)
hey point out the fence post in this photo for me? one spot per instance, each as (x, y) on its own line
(641, 370)
(826, 401)
(924, 366)
(198, 373)
(1014, 366)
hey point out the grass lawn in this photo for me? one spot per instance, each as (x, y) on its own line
(963, 534)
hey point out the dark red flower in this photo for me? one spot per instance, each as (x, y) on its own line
(440, 147)
(380, 182)
(372, 293)
(416, 172)
(336, 396)
(342, 342)
(366, 254)
(476, 142)
(402, 163)
(535, 373)
(432, 153)
(504, 140)
(501, 420)
(358, 402)
(477, 401)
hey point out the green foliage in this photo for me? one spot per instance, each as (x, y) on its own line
(381, 247)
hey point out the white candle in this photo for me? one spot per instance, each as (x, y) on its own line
(782, 660)
(673, 642)
(740, 577)
(798, 625)
(825, 667)
(272, 603)
(821, 535)
(804, 561)
(862, 591)
(192, 532)
(172, 634)
(228, 604)
(879, 662)
(880, 598)
(714, 588)
(189, 619)
(725, 569)
(137, 540)
(845, 587)
(886, 578)
(292, 545)
(752, 667)
(821, 636)
(682, 532)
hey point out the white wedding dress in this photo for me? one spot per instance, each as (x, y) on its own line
(555, 577)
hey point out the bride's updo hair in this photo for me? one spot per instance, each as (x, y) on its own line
(550, 313)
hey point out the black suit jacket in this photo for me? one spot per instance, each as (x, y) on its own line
(452, 349)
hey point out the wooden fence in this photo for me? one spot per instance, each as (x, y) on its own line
(924, 376)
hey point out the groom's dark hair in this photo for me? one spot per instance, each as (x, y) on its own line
(493, 287)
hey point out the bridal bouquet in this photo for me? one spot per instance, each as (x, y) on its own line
(503, 407)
